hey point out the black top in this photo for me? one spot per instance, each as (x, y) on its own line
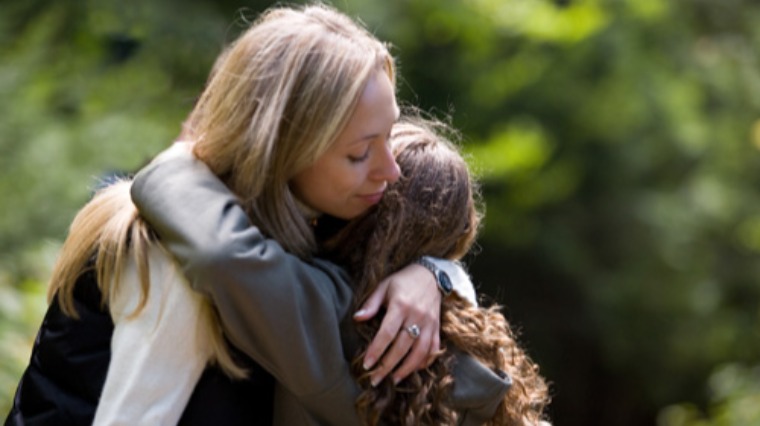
(68, 366)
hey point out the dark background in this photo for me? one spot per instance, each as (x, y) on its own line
(617, 142)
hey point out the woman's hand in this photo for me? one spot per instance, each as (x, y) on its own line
(411, 297)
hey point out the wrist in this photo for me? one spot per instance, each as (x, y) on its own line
(442, 279)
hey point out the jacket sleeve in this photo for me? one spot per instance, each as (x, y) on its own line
(478, 390)
(155, 364)
(281, 311)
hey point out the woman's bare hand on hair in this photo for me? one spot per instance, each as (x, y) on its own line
(411, 297)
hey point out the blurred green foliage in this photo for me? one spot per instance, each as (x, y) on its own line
(617, 142)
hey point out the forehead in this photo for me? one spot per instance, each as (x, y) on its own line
(375, 113)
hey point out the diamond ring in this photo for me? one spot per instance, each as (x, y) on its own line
(413, 330)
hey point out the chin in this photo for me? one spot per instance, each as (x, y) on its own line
(349, 215)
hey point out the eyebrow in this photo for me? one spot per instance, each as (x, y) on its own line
(374, 135)
(365, 138)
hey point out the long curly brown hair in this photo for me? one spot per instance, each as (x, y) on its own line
(432, 210)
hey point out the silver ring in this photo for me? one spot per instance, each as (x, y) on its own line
(413, 330)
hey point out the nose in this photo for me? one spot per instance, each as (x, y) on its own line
(386, 168)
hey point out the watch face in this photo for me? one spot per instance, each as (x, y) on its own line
(443, 279)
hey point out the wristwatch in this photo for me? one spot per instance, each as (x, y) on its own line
(441, 277)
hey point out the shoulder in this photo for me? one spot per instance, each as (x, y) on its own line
(165, 284)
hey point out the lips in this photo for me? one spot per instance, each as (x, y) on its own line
(372, 198)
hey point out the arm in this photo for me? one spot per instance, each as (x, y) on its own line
(279, 310)
(252, 303)
(154, 364)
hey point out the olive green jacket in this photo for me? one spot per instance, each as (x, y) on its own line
(289, 315)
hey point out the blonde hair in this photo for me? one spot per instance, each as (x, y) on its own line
(432, 210)
(104, 235)
(276, 99)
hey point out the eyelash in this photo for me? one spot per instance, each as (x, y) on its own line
(364, 156)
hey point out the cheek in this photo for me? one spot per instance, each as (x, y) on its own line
(318, 190)
(344, 183)
(304, 186)
(329, 186)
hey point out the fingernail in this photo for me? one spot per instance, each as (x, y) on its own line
(396, 380)
(375, 381)
(368, 363)
(359, 313)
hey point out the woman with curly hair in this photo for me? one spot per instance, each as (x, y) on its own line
(432, 210)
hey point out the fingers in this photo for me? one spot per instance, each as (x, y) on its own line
(402, 346)
(395, 354)
(435, 349)
(416, 359)
(370, 308)
(388, 331)
(411, 297)
(416, 353)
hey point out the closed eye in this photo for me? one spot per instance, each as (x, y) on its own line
(359, 159)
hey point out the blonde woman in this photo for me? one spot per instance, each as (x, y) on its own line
(431, 210)
(278, 104)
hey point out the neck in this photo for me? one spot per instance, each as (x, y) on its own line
(309, 213)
